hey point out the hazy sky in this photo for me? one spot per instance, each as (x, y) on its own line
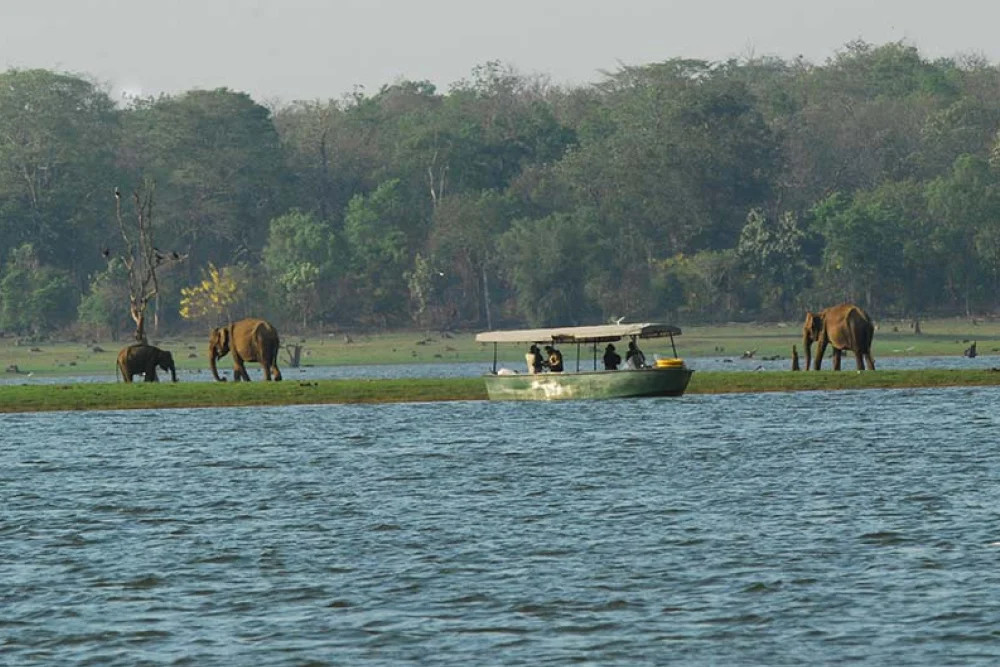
(282, 50)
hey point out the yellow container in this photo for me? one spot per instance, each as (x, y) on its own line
(669, 363)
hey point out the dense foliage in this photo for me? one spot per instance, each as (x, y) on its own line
(683, 190)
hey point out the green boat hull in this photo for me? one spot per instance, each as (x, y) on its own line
(598, 384)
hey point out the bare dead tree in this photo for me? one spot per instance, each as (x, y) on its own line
(141, 257)
(437, 177)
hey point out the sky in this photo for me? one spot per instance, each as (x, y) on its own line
(279, 51)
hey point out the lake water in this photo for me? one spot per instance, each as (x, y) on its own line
(856, 527)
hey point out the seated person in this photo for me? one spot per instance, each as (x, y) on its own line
(611, 358)
(534, 359)
(555, 361)
(634, 358)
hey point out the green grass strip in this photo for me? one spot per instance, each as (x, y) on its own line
(97, 396)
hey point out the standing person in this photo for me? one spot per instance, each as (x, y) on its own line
(634, 358)
(534, 359)
(611, 358)
(555, 361)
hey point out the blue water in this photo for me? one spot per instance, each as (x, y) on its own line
(856, 527)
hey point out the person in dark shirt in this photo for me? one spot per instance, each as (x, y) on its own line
(535, 361)
(555, 360)
(634, 358)
(611, 358)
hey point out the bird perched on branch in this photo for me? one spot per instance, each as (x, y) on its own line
(106, 252)
(118, 194)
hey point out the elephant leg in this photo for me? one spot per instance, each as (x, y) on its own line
(271, 372)
(820, 351)
(836, 359)
(239, 369)
(267, 370)
(861, 360)
(871, 362)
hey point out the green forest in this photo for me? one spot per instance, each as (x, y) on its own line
(686, 191)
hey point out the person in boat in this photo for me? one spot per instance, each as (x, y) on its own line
(534, 359)
(611, 358)
(634, 358)
(555, 360)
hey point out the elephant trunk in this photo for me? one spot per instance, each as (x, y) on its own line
(211, 362)
(173, 371)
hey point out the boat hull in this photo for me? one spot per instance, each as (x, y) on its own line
(587, 385)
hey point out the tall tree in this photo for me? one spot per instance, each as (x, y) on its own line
(375, 229)
(549, 261)
(218, 165)
(56, 154)
(141, 258)
(771, 252)
(300, 259)
(34, 298)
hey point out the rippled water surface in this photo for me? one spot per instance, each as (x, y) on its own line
(779, 529)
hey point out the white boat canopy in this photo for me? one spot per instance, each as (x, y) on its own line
(596, 334)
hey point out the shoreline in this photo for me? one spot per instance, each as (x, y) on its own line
(145, 396)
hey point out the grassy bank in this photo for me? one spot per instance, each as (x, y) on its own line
(939, 338)
(94, 396)
(100, 396)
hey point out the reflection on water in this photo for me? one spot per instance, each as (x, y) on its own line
(771, 529)
(445, 370)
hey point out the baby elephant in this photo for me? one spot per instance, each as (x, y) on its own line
(142, 358)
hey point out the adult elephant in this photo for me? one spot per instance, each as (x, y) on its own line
(142, 358)
(251, 339)
(845, 327)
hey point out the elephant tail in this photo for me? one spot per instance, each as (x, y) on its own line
(867, 335)
(275, 350)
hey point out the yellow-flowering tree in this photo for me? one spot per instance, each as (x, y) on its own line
(213, 298)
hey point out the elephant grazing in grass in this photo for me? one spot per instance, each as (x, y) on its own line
(142, 358)
(251, 339)
(845, 327)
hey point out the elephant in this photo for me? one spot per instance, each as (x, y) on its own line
(252, 339)
(845, 327)
(142, 358)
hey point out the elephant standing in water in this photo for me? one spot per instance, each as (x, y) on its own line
(142, 358)
(251, 339)
(845, 327)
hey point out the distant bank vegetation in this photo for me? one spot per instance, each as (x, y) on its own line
(685, 190)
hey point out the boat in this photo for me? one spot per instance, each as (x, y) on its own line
(667, 377)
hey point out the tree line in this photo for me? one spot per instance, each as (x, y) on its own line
(683, 190)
